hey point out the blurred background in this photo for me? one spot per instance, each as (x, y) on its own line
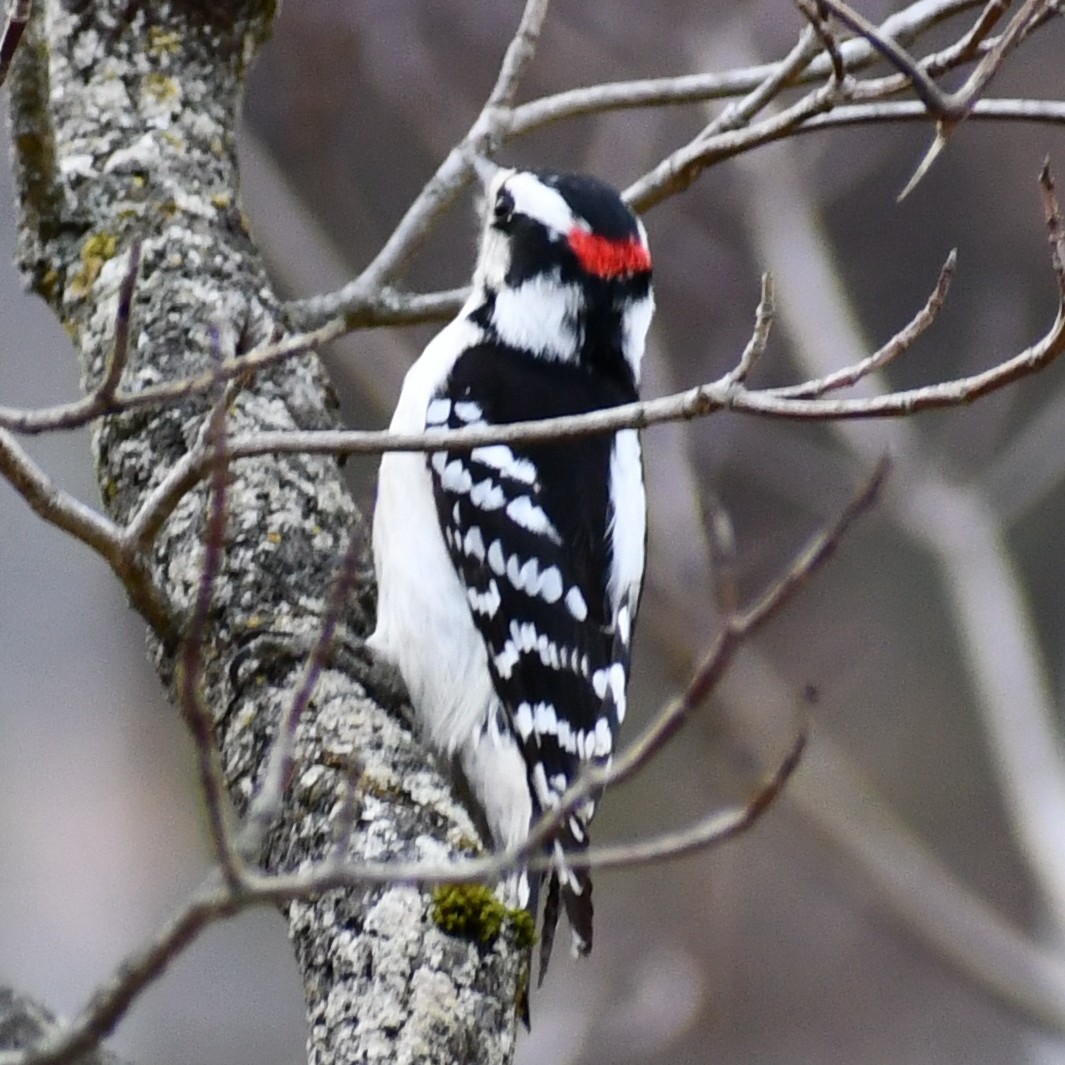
(916, 861)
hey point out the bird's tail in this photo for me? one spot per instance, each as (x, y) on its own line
(572, 889)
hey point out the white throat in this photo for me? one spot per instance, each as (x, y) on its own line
(541, 316)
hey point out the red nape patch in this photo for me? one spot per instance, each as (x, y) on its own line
(609, 258)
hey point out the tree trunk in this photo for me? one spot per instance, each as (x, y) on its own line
(124, 118)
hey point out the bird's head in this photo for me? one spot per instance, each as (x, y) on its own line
(563, 269)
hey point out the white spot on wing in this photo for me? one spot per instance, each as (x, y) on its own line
(575, 603)
(546, 796)
(487, 495)
(523, 721)
(438, 413)
(514, 571)
(501, 458)
(551, 585)
(468, 411)
(566, 739)
(524, 512)
(599, 683)
(486, 603)
(603, 739)
(506, 660)
(530, 576)
(456, 477)
(496, 559)
(545, 720)
(473, 544)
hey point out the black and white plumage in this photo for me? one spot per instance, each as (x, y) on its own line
(509, 576)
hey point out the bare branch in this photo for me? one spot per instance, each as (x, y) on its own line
(665, 724)
(694, 403)
(715, 828)
(116, 361)
(66, 512)
(936, 103)
(450, 178)
(57, 506)
(755, 348)
(197, 714)
(112, 999)
(268, 802)
(678, 170)
(783, 74)
(815, 14)
(904, 26)
(518, 55)
(949, 109)
(18, 14)
(895, 347)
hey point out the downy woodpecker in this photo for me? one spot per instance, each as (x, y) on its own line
(509, 576)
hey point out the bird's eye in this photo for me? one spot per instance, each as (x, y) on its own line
(503, 208)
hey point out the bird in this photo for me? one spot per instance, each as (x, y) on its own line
(509, 575)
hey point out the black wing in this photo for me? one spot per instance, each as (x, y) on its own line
(528, 530)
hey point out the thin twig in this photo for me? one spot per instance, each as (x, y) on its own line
(678, 170)
(444, 186)
(895, 347)
(67, 513)
(196, 713)
(936, 102)
(116, 361)
(267, 804)
(518, 55)
(18, 15)
(1055, 227)
(815, 14)
(782, 74)
(948, 109)
(694, 403)
(755, 347)
(1050, 111)
(111, 1001)
(712, 830)
(348, 810)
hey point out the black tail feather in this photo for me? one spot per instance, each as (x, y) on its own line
(550, 924)
(577, 898)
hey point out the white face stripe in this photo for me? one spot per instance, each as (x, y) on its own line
(541, 202)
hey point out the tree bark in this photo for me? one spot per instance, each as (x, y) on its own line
(124, 120)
